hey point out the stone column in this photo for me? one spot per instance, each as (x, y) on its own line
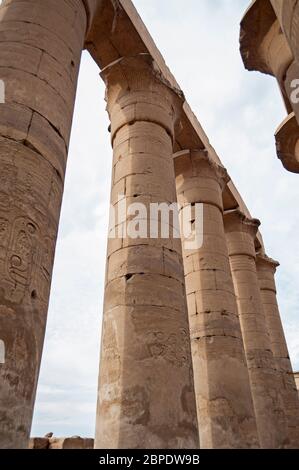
(266, 268)
(270, 418)
(146, 390)
(40, 50)
(224, 404)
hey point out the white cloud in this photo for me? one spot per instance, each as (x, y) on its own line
(239, 111)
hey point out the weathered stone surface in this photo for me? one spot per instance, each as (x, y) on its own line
(266, 268)
(296, 376)
(118, 31)
(269, 44)
(224, 405)
(264, 377)
(40, 50)
(146, 392)
(146, 396)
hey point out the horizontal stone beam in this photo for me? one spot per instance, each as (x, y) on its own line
(118, 31)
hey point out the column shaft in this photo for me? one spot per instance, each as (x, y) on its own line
(40, 50)
(224, 403)
(266, 269)
(146, 390)
(265, 384)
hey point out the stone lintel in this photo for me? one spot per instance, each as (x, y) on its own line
(267, 263)
(263, 46)
(241, 233)
(287, 13)
(136, 90)
(118, 31)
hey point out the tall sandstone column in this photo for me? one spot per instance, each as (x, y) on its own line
(224, 403)
(264, 379)
(266, 268)
(146, 390)
(40, 50)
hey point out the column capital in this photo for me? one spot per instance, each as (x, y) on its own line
(199, 178)
(287, 143)
(137, 91)
(266, 269)
(201, 164)
(236, 221)
(266, 263)
(241, 232)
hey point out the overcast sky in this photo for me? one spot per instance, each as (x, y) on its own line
(240, 112)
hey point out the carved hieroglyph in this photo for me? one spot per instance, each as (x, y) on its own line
(40, 50)
(146, 391)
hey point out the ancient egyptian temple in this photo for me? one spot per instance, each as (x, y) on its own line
(193, 351)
